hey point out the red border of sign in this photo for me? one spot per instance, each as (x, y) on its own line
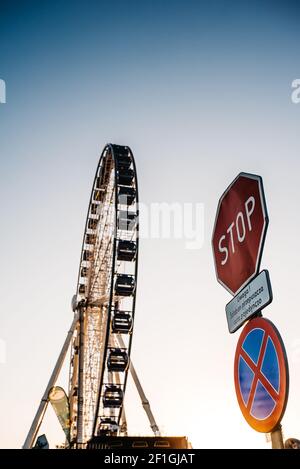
(264, 232)
(271, 422)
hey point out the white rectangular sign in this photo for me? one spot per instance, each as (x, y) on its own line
(254, 297)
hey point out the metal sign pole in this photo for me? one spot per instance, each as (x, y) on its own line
(277, 438)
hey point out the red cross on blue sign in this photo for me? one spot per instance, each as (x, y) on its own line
(261, 375)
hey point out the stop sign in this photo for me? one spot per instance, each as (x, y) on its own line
(239, 231)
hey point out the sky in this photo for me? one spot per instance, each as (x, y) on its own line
(200, 91)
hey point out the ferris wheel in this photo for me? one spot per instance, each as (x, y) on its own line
(105, 299)
(100, 336)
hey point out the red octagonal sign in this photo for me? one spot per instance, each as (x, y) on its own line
(239, 232)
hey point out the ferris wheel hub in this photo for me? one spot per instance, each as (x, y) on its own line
(74, 303)
(77, 303)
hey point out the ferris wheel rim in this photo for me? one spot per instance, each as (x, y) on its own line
(112, 279)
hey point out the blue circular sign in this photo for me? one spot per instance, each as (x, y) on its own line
(261, 375)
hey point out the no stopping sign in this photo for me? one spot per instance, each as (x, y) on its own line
(261, 375)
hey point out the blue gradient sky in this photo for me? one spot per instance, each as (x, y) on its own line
(200, 92)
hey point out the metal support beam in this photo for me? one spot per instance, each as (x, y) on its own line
(144, 400)
(80, 416)
(30, 439)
